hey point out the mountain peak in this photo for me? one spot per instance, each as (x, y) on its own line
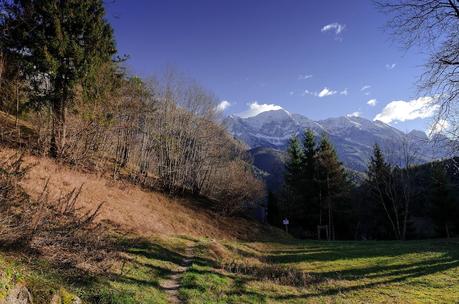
(280, 113)
(418, 134)
(353, 137)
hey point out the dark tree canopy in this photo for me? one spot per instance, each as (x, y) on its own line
(444, 206)
(57, 45)
(294, 163)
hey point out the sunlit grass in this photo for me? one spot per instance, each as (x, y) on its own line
(348, 272)
(335, 272)
(135, 280)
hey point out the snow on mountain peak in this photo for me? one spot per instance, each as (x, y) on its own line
(353, 137)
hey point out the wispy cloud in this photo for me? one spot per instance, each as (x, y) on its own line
(255, 108)
(291, 93)
(222, 106)
(400, 110)
(372, 102)
(344, 92)
(304, 76)
(326, 92)
(354, 114)
(366, 90)
(390, 66)
(336, 27)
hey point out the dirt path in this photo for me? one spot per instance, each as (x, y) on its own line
(172, 284)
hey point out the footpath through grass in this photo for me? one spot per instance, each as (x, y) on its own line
(255, 272)
(135, 278)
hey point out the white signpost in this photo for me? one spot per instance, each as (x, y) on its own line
(285, 222)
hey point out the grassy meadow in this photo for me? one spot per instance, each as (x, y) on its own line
(257, 272)
(337, 272)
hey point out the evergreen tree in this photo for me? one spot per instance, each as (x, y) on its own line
(59, 45)
(308, 188)
(332, 181)
(379, 177)
(309, 155)
(443, 203)
(385, 185)
(294, 164)
(292, 180)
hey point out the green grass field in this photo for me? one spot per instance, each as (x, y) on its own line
(259, 272)
(337, 272)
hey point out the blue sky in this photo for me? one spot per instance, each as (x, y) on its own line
(317, 58)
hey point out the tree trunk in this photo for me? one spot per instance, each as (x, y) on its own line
(58, 131)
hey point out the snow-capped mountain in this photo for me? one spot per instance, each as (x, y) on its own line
(353, 137)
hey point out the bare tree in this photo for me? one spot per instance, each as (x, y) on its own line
(393, 184)
(162, 134)
(433, 25)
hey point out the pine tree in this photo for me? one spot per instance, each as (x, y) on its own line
(59, 45)
(332, 182)
(294, 164)
(378, 168)
(443, 204)
(292, 179)
(308, 188)
(383, 189)
(378, 177)
(309, 155)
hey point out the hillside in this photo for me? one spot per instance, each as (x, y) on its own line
(132, 209)
(146, 235)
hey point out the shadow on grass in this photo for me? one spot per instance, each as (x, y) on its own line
(404, 273)
(332, 251)
(379, 275)
(142, 264)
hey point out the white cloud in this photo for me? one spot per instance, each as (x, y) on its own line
(400, 110)
(344, 92)
(372, 102)
(255, 108)
(354, 114)
(304, 77)
(291, 93)
(391, 66)
(222, 106)
(365, 87)
(336, 27)
(326, 92)
(438, 127)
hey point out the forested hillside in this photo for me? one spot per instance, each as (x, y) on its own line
(324, 200)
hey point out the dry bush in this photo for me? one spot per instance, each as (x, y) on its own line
(11, 197)
(235, 187)
(56, 229)
(274, 273)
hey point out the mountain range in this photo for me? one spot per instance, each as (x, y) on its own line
(267, 136)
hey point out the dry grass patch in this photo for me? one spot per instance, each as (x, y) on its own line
(131, 209)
